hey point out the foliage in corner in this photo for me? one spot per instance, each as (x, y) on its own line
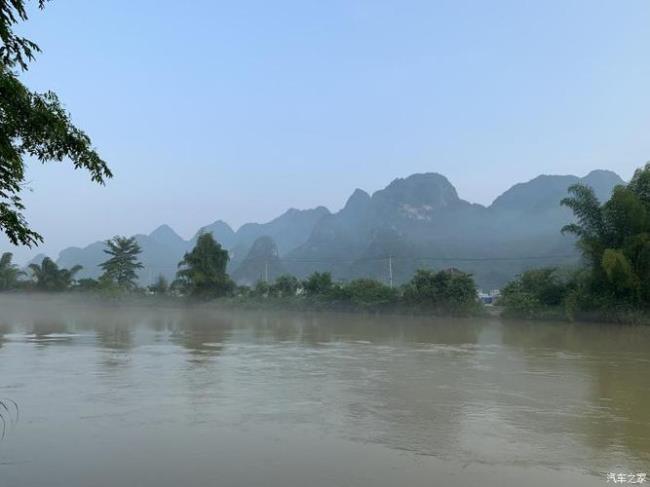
(32, 125)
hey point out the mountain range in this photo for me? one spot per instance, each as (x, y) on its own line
(414, 222)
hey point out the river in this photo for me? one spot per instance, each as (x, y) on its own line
(138, 396)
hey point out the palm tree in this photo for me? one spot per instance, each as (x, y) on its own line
(615, 237)
(9, 272)
(121, 267)
(49, 277)
(590, 225)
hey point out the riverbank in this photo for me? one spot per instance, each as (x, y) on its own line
(234, 304)
(308, 304)
(559, 313)
(320, 304)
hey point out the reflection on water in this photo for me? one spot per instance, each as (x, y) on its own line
(195, 396)
(612, 365)
(201, 333)
(5, 328)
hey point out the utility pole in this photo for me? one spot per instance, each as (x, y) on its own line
(390, 271)
(266, 272)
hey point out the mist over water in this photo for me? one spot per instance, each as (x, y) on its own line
(166, 396)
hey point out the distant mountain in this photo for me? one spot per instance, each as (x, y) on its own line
(261, 263)
(221, 231)
(38, 260)
(420, 221)
(532, 209)
(88, 257)
(163, 248)
(544, 192)
(164, 235)
(289, 230)
(417, 221)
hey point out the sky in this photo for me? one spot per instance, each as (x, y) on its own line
(210, 110)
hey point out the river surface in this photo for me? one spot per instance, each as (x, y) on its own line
(131, 396)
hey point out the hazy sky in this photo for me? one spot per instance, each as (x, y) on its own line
(238, 110)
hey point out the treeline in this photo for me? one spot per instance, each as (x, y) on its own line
(202, 272)
(119, 272)
(202, 276)
(613, 283)
(446, 292)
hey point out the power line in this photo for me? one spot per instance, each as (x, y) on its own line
(389, 260)
(412, 258)
(393, 258)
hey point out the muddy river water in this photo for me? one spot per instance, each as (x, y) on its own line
(135, 396)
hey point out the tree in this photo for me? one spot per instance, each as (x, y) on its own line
(545, 284)
(615, 240)
(49, 277)
(285, 285)
(9, 272)
(535, 293)
(261, 289)
(368, 293)
(318, 283)
(161, 286)
(121, 267)
(31, 125)
(87, 284)
(202, 272)
(448, 290)
(589, 226)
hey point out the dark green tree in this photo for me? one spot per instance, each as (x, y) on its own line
(49, 277)
(318, 283)
(285, 285)
(9, 272)
(87, 284)
(369, 293)
(589, 226)
(121, 267)
(447, 291)
(202, 272)
(32, 125)
(534, 293)
(615, 240)
(544, 284)
(261, 289)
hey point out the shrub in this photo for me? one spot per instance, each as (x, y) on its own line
(448, 291)
(367, 293)
(318, 283)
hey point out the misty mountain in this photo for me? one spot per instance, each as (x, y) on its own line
(261, 263)
(420, 221)
(88, 257)
(414, 222)
(289, 230)
(164, 235)
(221, 231)
(37, 259)
(163, 248)
(543, 192)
